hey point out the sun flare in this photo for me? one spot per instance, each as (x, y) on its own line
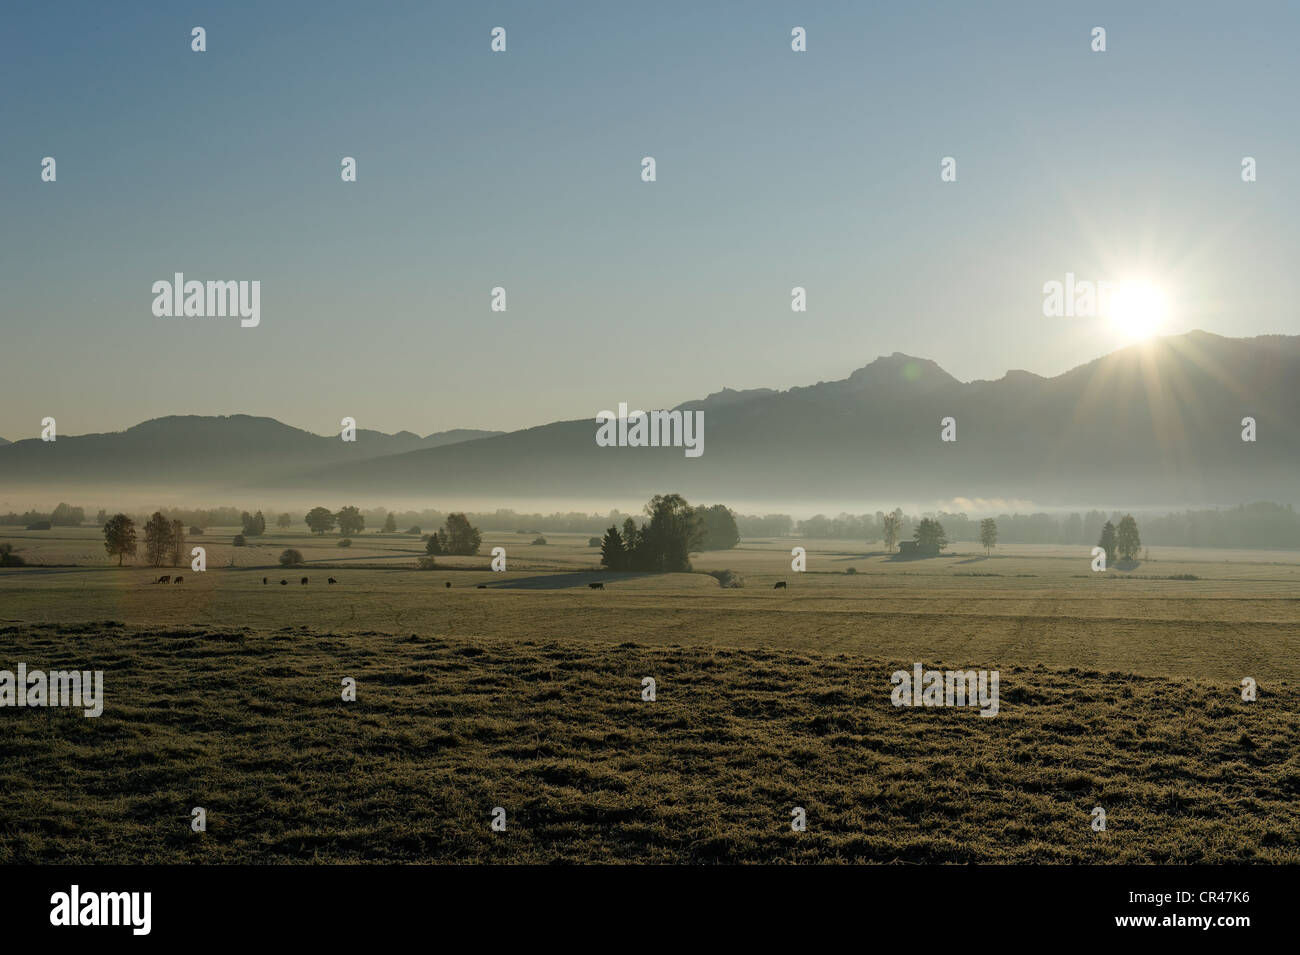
(1137, 310)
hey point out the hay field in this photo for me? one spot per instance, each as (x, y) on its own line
(1119, 690)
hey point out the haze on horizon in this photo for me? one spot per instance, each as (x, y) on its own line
(476, 170)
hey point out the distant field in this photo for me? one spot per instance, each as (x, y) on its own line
(1119, 689)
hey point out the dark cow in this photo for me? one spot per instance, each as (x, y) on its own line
(333, 581)
(284, 583)
(780, 585)
(304, 580)
(178, 580)
(597, 586)
(449, 585)
(263, 580)
(164, 579)
(480, 586)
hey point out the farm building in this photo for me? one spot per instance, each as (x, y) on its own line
(916, 549)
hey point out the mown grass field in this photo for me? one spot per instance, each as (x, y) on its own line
(1119, 690)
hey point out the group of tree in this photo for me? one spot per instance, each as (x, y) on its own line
(663, 544)
(254, 524)
(350, 520)
(718, 529)
(930, 535)
(1123, 542)
(457, 536)
(164, 541)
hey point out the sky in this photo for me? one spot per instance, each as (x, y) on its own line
(522, 170)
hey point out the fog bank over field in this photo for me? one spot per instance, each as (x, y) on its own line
(1193, 420)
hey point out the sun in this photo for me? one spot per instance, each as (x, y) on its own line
(1137, 310)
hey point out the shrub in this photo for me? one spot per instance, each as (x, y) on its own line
(239, 540)
(539, 539)
(8, 558)
(426, 563)
(413, 530)
(851, 570)
(345, 542)
(290, 557)
(593, 541)
(39, 526)
(727, 578)
(195, 530)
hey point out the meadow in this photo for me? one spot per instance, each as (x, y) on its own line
(1119, 690)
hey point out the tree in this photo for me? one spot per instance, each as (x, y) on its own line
(1127, 541)
(178, 554)
(462, 537)
(1107, 542)
(593, 541)
(65, 514)
(390, 524)
(988, 534)
(719, 530)
(350, 521)
(436, 544)
(631, 543)
(102, 517)
(157, 540)
(319, 520)
(254, 524)
(8, 558)
(284, 520)
(289, 557)
(119, 537)
(667, 541)
(889, 527)
(929, 535)
(612, 553)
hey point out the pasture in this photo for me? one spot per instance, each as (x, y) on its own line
(1120, 690)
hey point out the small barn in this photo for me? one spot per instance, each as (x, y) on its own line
(916, 549)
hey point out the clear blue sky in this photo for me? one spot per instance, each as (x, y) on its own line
(522, 169)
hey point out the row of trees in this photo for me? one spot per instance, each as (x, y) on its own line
(1123, 541)
(63, 514)
(1255, 525)
(164, 540)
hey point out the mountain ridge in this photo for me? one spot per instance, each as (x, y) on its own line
(1158, 422)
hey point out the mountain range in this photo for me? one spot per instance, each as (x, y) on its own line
(1158, 423)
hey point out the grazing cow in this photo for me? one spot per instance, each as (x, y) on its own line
(333, 581)
(780, 585)
(284, 583)
(597, 586)
(263, 580)
(449, 585)
(178, 580)
(480, 586)
(164, 579)
(304, 580)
